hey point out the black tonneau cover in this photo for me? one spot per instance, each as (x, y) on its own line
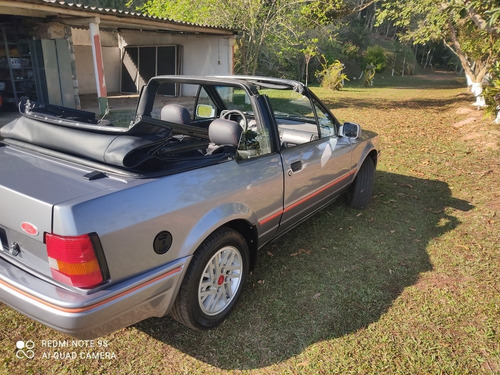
(78, 133)
(122, 150)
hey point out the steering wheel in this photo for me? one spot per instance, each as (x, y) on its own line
(225, 114)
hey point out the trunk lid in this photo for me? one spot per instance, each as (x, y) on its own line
(30, 186)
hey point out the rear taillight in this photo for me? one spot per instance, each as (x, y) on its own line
(73, 260)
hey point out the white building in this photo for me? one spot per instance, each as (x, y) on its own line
(54, 51)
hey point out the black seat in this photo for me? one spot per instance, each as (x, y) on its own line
(224, 136)
(175, 113)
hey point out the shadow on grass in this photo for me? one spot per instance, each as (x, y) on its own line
(420, 104)
(333, 275)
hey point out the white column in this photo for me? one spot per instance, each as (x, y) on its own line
(102, 95)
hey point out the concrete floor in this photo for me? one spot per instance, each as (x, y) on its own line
(6, 117)
(115, 101)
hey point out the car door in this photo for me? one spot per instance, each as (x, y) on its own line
(317, 167)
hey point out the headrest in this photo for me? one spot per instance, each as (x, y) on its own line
(224, 132)
(175, 113)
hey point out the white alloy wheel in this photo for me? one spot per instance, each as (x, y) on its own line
(220, 280)
(213, 281)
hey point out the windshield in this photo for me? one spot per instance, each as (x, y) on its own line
(286, 103)
(290, 104)
(234, 98)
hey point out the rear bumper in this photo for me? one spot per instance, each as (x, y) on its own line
(91, 315)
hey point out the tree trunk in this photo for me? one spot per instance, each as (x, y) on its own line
(428, 58)
(308, 59)
(359, 12)
(474, 70)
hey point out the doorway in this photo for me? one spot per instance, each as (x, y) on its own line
(140, 64)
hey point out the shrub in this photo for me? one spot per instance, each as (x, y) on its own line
(492, 90)
(332, 76)
(369, 75)
(375, 55)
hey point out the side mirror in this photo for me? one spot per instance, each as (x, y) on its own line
(350, 130)
(205, 111)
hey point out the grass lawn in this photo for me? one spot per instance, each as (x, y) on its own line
(408, 286)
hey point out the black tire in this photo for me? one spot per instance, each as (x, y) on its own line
(208, 293)
(360, 192)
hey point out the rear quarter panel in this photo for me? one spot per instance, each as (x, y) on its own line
(189, 205)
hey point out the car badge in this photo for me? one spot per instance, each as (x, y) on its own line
(29, 228)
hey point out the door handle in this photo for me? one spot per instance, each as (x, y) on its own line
(296, 165)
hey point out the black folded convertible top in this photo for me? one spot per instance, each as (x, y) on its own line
(126, 148)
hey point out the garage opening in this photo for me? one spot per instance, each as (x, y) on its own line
(139, 64)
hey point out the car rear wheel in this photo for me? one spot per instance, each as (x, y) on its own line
(213, 281)
(360, 192)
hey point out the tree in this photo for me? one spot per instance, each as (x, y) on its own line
(258, 22)
(469, 28)
(490, 26)
(310, 51)
(492, 92)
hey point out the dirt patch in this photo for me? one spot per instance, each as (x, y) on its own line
(442, 281)
(438, 75)
(478, 128)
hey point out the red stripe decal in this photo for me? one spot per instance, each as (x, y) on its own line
(305, 199)
(90, 307)
(269, 218)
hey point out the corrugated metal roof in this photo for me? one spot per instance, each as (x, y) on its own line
(103, 12)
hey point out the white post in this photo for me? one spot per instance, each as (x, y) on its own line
(477, 90)
(102, 95)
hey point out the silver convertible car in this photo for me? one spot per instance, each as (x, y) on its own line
(103, 226)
